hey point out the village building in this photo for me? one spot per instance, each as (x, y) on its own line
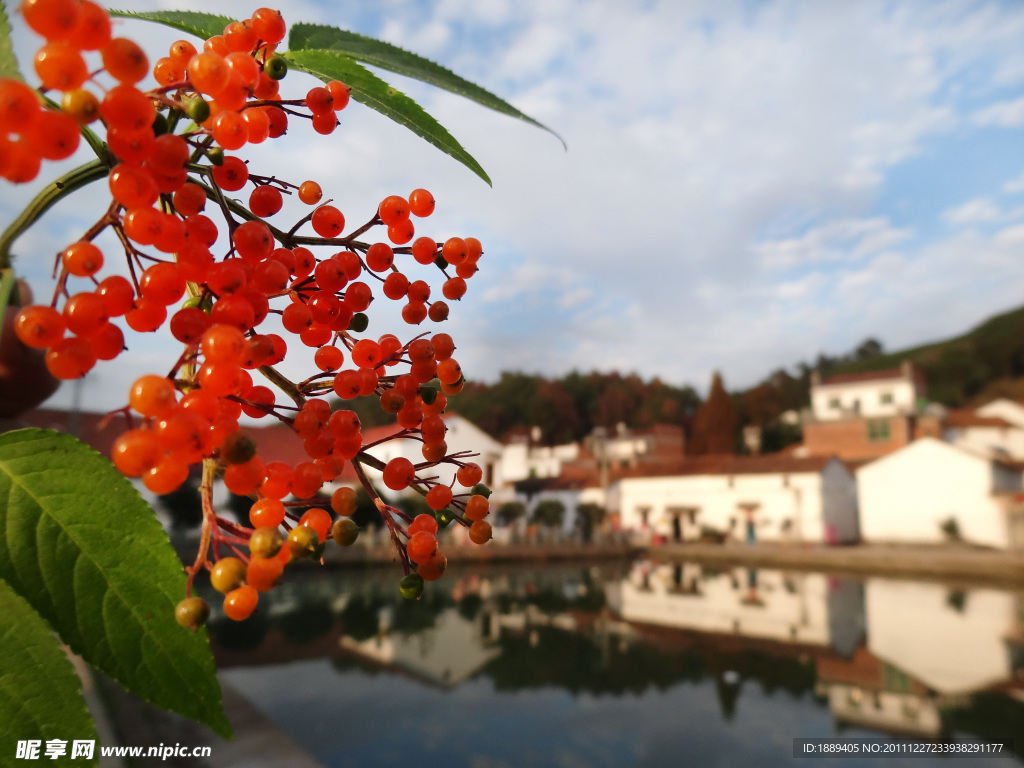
(775, 497)
(859, 416)
(933, 492)
(989, 435)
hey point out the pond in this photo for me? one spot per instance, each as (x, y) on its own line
(627, 664)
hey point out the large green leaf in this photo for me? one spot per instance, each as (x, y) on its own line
(40, 694)
(79, 543)
(378, 53)
(376, 94)
(202, 25)
(8, 64)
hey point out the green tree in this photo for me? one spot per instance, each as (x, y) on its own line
(588, 517)
(549, 513)
(510, 511)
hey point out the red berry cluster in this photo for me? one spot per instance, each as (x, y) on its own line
(167, 167)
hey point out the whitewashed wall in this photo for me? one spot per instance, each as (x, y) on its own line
(905, 496)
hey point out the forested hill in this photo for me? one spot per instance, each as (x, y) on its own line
(565, 409)
(983, 363)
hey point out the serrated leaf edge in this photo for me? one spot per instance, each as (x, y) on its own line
(369, 99)
(448, 80)
(136, 612)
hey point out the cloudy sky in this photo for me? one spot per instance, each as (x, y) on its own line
(746, 183)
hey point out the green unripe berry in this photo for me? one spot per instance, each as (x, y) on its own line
(276, 67)
(482, 490)
(192, 613)
(265, 542)
(428, 394)
(345, 531)
(359, 322)
(198, 110)
(227, 574)
(216, 155)
(411, 586)
(444, 517)
(303, 541)
(440, 262)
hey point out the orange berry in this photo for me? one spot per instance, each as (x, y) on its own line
(318, 519)
(263, 573)
(39, 326)
(60, 66)
(310, 192)
(477, 507)
(135, 452)
(266, 513)
(421, 203)
(240, 603)
(344, 501)
(124, 60)
(328, 221)
(81, 105)
(268, 25)
(398, 473)
(434, 568)
(480, 532)
(469, 475)
(153, 395)
(53, 19)
(421, 546)
(208, 72)
(92, 28)
(439, 497)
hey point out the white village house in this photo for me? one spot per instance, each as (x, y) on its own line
(743, 498)
(909, 495)
(462, 435)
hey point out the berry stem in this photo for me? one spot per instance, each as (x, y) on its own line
(53, 192)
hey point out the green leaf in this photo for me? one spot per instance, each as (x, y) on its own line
(79, 543)
(370, 90)
(40, 694)
(8, 64)
(204, 25)
(378, 53)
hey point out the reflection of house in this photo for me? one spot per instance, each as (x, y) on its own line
(953, 642)
(774, 497)
(445, 654)
(912, 494)
(863, 415)
(804, 608)
(866, 692)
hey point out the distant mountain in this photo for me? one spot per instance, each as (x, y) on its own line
(961, 370)
(968, 370)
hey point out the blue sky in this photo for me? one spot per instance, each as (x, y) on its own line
(746, 184)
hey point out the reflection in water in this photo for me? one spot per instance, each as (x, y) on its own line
(833, 656)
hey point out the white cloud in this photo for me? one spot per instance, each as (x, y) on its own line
(835, 241)
(979, 211)
(722, 204)
(1006, 114)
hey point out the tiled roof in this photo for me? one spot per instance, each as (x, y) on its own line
(849, 378)
(965, 417)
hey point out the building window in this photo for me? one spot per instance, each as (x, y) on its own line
(834, 404)
(879, 430)
(885, 398)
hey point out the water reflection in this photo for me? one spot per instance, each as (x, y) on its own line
(834, 656)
